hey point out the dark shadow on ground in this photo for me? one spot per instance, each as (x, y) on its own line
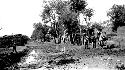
(7, 60)
(65, 61)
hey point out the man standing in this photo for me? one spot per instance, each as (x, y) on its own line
(14, 45)
(86, 41)
(102, 38)
(94, 41)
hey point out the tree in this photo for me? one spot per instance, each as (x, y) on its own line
(88, 14)
(64, 15)
(98, 26)
(36, 33)
(70, 22)
(40, 31)
(117, 16)
(51, 14)
(79, 6)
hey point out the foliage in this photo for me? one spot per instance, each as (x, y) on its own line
(97, 26)
(117, 15)
(50, 14)
(78, 5)
(40, 31)
(88, 13)
(57, 5)
(67, 11)
(65, 15)
(69, 20)
(12, 40)
(70, 17)
(53, 32)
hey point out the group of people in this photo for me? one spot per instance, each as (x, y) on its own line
(90, 37)
(95, 39)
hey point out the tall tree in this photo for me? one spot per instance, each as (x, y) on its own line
(67, 14)
(78, 6)
(51, 14)
(117, 16)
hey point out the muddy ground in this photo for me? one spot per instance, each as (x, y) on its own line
(49, 56)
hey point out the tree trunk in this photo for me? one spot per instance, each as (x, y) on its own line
(82, 40)
(60, 39)
(43, 38)
(54, 40)
(72, 39)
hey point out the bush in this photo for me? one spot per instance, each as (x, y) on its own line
(111, 44)
(13, 40)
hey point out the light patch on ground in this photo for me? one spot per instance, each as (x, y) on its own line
(31, 58)
(92, 63)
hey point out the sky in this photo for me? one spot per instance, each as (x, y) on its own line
(18, 16)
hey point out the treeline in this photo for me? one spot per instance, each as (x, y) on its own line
(13, 40)
(64, 17)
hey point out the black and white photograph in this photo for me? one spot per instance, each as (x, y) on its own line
(62, 34)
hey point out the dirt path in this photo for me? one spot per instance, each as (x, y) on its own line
(93, 63)
(88, 59)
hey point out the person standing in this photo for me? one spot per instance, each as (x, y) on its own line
(100, 39)
(94, 41)
(14, 45)
(86, 41)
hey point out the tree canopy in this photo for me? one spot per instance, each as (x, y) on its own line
(63, 15)
(117, 16)
(40, 31)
